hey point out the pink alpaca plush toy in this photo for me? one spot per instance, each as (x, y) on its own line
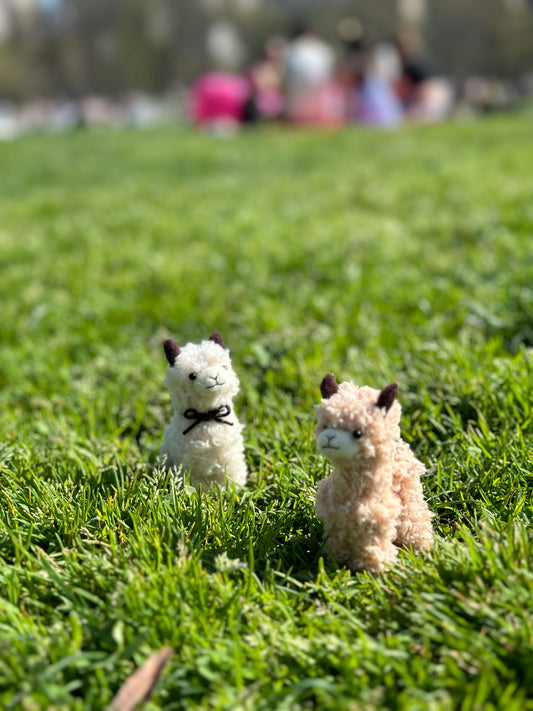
(373, 500)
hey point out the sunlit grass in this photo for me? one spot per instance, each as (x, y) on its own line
(399, 257)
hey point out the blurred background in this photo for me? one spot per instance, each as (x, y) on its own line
(222, 63)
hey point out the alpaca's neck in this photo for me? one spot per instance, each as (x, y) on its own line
(366, 475)
(180, 403)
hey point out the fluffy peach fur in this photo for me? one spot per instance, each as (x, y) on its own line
(374, 500)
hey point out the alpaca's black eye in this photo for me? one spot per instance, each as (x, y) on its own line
(192, 376)
(356, 434)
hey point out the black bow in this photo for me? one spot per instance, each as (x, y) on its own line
(216, 415)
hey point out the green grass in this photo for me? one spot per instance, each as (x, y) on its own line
(381, 257)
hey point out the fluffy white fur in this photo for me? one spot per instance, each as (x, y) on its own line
(373, 500)
(200, 378)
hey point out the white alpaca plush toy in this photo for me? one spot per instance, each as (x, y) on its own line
(373, 500)
(204, 435)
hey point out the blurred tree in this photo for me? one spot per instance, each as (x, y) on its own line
(486, 37)
(110, 46)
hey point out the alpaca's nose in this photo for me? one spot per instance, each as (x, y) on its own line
(331, 438)
(214, 381)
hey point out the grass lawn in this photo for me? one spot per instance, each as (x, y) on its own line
(380, 257)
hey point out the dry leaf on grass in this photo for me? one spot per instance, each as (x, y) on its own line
(138, 687)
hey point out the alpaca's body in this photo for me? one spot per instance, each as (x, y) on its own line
(373, 500)
(209, 452)
(204, 436)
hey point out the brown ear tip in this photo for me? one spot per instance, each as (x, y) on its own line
(328, 386)
(217, 338)
(387, 396)
(172, 350)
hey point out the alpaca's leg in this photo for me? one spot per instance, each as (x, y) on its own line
(416, 533)
(238, 472)
(373, 547)
(414, 519)
(322, 499)
(374, 558)
(336, 547)
(414, 524)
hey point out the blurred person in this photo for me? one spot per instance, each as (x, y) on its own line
(351, 66)
(218, 101)
(376, 102)
(368, 75)
(415, 70)
(266, 100)
(312, 95)
(435, 101)
(425, 96)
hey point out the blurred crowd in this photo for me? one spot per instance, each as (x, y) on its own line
(303, 81)
(299, 80)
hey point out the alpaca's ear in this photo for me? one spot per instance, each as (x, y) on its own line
(387, 396)
(172, 351)
(217, 338)
(328, 386)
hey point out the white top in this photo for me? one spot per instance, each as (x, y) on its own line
(309, 61)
